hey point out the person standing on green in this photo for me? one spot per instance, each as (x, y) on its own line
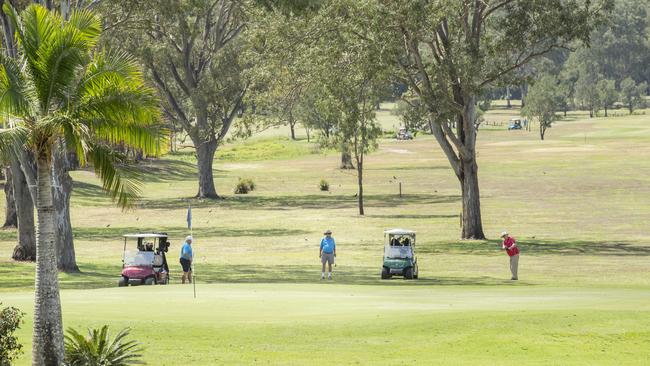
(327, 253)
(186, 259)
(510, 246)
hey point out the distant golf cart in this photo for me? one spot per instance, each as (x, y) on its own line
(516, 123)
(403, 134)
(147, 264)
(399, 254)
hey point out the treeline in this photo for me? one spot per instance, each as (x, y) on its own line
(610, 72)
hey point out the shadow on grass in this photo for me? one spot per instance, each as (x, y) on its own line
(324, 201)
(179, 232)
(413, 216)
(406, 167)
(19, 275)
(359, 275)
(542, 247)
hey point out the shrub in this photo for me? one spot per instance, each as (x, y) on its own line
(244, 186)
(99, 349)
(10, 320)
(323, 185)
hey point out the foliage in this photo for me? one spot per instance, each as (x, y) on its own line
(10, 321)
(244, 186)
(92, 99)
(323, 185)
(542, 102)
(98, 349)
(196, 53)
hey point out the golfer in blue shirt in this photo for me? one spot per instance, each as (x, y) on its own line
(327, 253)
(186, 259)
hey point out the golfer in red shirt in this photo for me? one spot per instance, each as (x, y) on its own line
(510, 245)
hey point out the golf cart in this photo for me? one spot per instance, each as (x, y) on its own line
(515, 124)
(147, 264)
(403, 134)
(399, 254)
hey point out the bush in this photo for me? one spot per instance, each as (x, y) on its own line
(10, 320)
(244, 186)
(99, 349)
(323, 185)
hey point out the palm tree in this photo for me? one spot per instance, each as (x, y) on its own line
(62, 90)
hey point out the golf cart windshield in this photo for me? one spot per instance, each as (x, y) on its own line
(398, 252)
(138, 258)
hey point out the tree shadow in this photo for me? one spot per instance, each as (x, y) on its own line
(409, 167)
(413, 216)
(535, 247)
(302, 274)
(314, 201)
(176, 233)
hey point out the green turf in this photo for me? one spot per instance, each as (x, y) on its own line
(578, 203)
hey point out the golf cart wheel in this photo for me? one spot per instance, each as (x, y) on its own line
(385, 273)
(408, 273)
(123, 282)
(149, 281)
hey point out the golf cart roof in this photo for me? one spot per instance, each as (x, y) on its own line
(145, 235)
(399, 232)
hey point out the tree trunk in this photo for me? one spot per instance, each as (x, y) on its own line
(292, 126)
(542, 131)
(524, 94)
(509, 105)
(307, 130)
(205, 156)
(346, 160)
(360, 182)
(61, 192)
(472, 224)
(11, 218)
(605, 111)
(25, 250)
(47, 349)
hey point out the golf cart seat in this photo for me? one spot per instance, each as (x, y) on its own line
(157, 260)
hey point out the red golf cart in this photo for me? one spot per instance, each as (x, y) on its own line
(147, 264)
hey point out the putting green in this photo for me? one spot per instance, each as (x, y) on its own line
(328, 323)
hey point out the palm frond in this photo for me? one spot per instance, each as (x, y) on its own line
(12, 140)
(87, 23)
(117, 179)
(15, 94)
(98, 348)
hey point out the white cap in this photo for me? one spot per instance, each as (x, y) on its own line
(189, 237)
(504, 234)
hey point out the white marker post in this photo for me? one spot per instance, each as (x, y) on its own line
(189, 226)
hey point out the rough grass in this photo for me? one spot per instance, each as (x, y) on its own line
(578, 203)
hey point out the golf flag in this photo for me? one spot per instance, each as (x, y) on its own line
(189, 217)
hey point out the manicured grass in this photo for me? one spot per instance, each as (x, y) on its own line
(578, 203)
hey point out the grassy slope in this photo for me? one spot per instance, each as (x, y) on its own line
(576, 202)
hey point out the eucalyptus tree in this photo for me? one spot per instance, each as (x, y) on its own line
(62, 88)
(195, 53)
(633, 93)
(607, 93)
(450, 51)
(543, 99)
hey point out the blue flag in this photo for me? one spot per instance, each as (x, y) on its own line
(189, 217)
